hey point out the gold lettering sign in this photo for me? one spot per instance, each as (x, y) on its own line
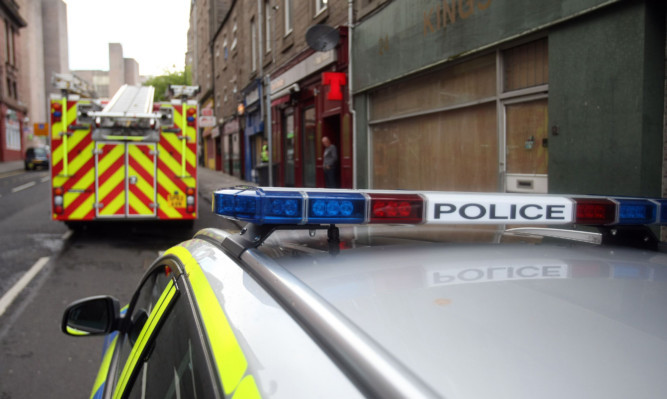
(437, 18)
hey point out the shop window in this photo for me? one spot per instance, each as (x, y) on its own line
(526, 65)
(453, 150)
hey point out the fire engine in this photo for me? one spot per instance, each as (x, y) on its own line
(127, 159)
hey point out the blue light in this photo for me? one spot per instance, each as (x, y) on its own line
(663, 210)
(282, 207)
(57, 114)
(636, 211)
(334, 207)
(191, 118)
(259, 206)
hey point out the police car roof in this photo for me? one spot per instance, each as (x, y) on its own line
(506, 321)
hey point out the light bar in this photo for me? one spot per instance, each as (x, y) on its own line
(271, 205)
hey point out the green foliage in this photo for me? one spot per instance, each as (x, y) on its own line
(162, 82)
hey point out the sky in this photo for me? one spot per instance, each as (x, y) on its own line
(153, 32)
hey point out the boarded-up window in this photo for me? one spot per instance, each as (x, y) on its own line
(463, 83)
(526, 65)
(454, 150)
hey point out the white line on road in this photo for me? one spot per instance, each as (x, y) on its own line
(23, 186)
(13, 292)
(66, 235)
(45, 179)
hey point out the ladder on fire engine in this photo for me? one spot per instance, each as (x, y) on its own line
(130, 101)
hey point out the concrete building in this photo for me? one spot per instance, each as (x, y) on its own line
(98, 80)
(116, 67)
(13, 96)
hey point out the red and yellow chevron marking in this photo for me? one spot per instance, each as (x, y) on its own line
(111, 180)
(174, 176)
(78, 183)
(141, 164)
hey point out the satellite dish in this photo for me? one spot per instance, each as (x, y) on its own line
(322, 37)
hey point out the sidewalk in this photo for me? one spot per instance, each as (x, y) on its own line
(11, 166)
(212, 180)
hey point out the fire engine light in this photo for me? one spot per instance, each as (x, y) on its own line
(58, 209)
(190, 191)
(58, 200)
(190, 200)
(56, 106)
(58, 191)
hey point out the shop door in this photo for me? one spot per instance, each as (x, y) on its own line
(526, 127)
(125, 183)
(309, 147)
(288, 146)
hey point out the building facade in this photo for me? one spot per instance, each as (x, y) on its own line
(484, 95)
(269, 90)
(13, 106)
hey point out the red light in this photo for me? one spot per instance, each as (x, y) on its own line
(190, 191)
(396, 208)
(58, 191)
(56, 106)
(191, 209)
(191, 111)
(595, 211)
(58, 209)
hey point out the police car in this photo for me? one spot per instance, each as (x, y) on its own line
(346, 293)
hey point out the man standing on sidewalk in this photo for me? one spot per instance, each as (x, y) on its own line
(330, 163)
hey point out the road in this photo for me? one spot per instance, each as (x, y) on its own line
(36, 358)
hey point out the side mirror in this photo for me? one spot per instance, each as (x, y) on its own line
(91, 316)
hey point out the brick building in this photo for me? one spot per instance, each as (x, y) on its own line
(13, 109)
(249, 49)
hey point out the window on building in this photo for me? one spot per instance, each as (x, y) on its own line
(13, 131)
(526, 65)
(253, 44)
(320, 5)
(10, 53)
(267, 25)
(288, 16)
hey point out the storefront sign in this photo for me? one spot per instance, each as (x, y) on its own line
(334, 80)
(41, 129)
(231, 127)
(305, 68)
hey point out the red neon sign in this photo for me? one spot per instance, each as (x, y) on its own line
(334, 80)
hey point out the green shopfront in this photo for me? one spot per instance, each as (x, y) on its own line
(517, 96)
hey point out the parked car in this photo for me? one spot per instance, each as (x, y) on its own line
(395, 302)
(36, 157)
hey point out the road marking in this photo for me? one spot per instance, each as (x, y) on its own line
(45, 179)
(67, 235)
(23, 187)
(10, 174)
(13, 292)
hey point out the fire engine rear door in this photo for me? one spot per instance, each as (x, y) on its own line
(125, 185)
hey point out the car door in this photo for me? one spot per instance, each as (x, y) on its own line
(162, 353)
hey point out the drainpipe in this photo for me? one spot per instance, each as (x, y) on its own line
(350, 106)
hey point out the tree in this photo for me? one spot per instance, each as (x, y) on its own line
(162, 82)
